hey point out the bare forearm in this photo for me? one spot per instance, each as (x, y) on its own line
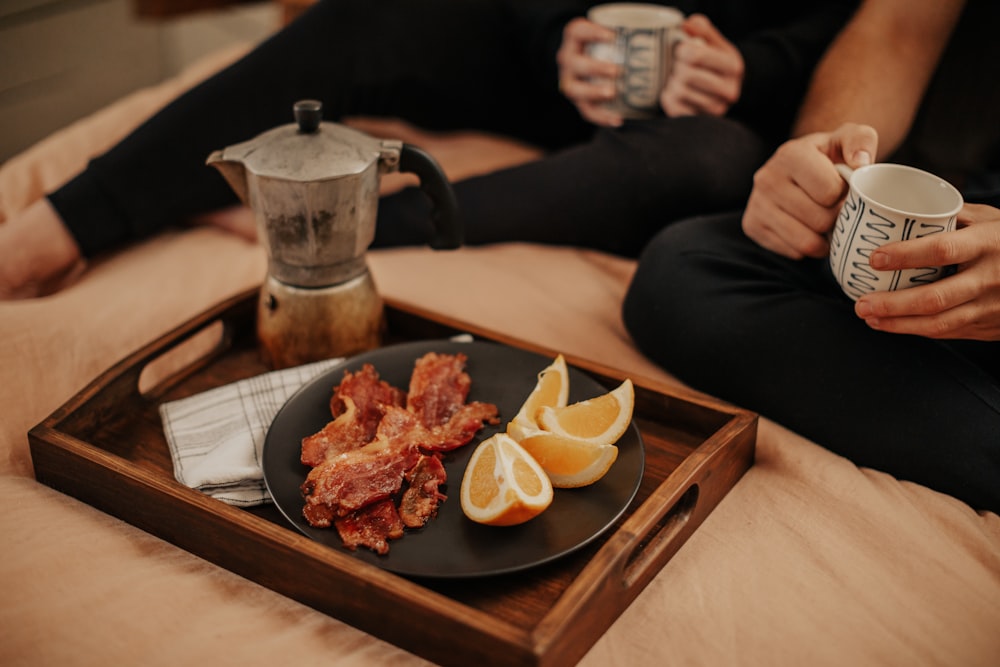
(878, 68)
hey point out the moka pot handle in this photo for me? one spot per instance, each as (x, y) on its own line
(448, 230)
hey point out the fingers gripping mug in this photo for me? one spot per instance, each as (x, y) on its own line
(887, 203)
(645, 38)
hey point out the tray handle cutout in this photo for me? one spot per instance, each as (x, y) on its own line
(190, 352)
(656, 546)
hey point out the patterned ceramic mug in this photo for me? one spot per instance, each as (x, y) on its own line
(886, 203)
(645, 36)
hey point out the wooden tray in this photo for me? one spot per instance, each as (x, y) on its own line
(106, 447)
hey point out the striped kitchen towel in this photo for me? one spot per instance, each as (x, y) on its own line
(216, 437)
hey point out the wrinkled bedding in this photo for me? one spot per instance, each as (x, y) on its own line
(808, 561)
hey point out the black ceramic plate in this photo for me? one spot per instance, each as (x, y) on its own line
(451, 545)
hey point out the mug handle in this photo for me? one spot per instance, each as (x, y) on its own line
(844, 171)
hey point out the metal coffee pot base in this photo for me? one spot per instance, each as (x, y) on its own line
(298, 325)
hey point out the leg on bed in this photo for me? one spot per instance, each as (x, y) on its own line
(778, 337)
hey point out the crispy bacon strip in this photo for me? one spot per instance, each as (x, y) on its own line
(368, 390)
(402, 425)
(462, 427)
(439, 386)
(319, 515)
(351, 480)
(344, 433)
(380, 438)
(371, 526)
(421, 499)
(357, 404)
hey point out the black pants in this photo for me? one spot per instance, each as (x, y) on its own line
(443, 65)
(779, 337)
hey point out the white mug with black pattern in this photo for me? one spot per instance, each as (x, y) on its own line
(886, 203)
(645, 37)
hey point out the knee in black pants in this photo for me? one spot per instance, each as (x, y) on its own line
(666, 308)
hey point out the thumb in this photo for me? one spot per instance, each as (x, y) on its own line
(698, 25)
(858, 144)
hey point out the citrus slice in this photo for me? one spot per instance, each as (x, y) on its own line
(503, 485)
(600, 420)
(569, 463)
(551, 390)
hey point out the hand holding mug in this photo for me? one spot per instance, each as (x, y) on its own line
(707, 74)
(964, 305)
(642, 49)
(798, 191)
(892, 246)
(888, 203)
(587, 82)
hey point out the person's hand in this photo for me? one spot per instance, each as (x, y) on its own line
(965, 304)
(797, 193)
(587, 82)
(707, 76)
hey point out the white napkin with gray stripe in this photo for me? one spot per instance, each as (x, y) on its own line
(216, 437)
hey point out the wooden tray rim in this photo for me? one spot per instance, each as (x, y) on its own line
(572, 604)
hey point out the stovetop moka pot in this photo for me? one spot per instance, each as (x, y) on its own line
(313, 187)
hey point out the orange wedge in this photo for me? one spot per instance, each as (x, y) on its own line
(551, 390)
(503, 485)
(569, 463)
(601, 420)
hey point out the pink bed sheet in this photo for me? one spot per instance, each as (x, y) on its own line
(808, 561)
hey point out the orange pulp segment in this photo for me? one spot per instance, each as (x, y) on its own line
(601, 420)
(503, 485)
(551, 390)
(568, 462)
